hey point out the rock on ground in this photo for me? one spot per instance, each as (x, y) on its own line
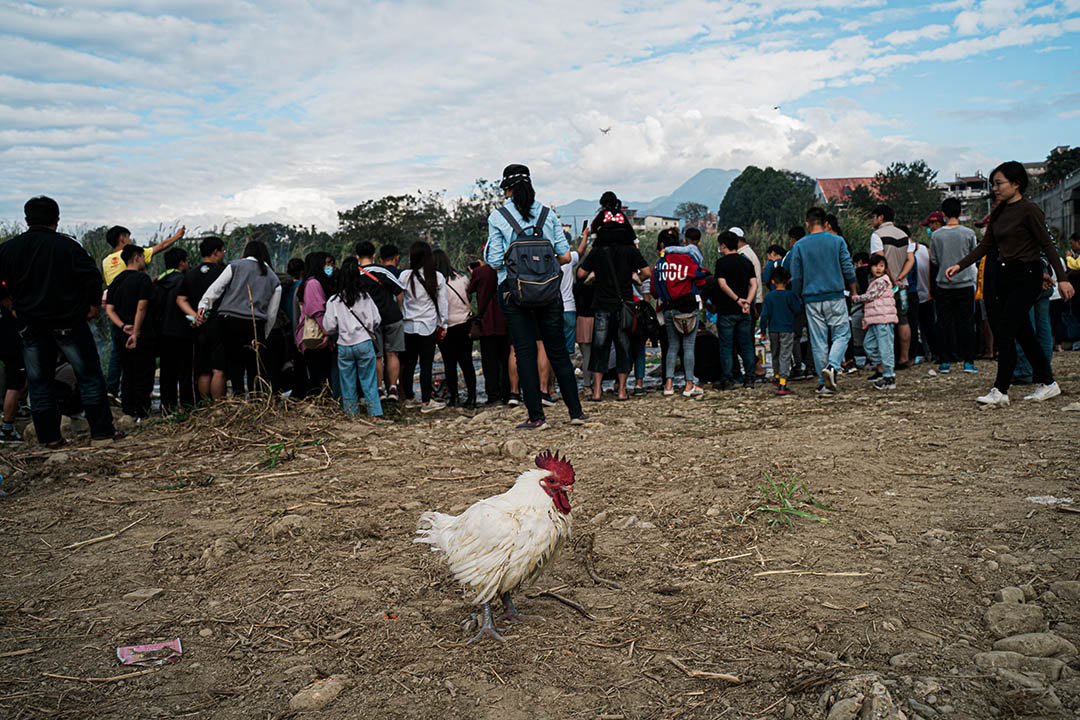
(1007, 619)
(1037, 645)
(319, 694)
(1050, 667)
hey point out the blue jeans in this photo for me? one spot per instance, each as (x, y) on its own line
(823, 317)
(878, 343)
(638, 351)
(605, 331)
(118, 338)
(674, 340)
(1040, 318)
(356, 366)
(569, 326)
(736, 333)
(527, 325)
(40, 346)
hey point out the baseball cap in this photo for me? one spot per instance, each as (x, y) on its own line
(737, 231)
(936, 216)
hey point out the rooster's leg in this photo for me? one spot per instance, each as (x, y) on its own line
(487, 627)
(510, 612)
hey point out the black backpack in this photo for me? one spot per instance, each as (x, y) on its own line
(532, 267)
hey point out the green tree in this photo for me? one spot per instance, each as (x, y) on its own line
(776, 198)
(397, 219)
(1058, 166)
(860, 198)
(691, 212)
(909, 189)
(465, 230)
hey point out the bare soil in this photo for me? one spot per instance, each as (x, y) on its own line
(281, 540)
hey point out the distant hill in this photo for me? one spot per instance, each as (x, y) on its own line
(707, 187)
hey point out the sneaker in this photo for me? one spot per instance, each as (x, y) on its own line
(849, 370)
(392, 394)
(382, 394)
(726, 385)
(828, 375)
(637, 390)
(413, 402)
(885, 383)
(540, 424)
(823, 391)
(875, 377)
(695, 391)
(580, 419)
(994, 397)
(668, 393)
(943, 368)
(432, 405)
(970, 368)
(10, 435)
(784, 390)
(1044, 392)
(515, 400)
(546, 399)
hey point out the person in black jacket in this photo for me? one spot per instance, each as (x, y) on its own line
(55, 288)
(176, 344)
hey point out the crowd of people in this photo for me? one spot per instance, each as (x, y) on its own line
(363, 329)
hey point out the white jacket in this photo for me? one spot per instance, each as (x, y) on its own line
(350, 331)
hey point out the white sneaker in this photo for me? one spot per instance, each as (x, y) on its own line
(828, 376)
(1044, 392)
(668, 392)
(413, 402)
(994, 397)
(695, 391)
(432, 405)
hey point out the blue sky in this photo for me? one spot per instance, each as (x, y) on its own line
(168, 111)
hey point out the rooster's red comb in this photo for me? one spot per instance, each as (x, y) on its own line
(560, 466)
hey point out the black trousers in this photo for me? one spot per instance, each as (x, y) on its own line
(456, 349)
(241, 338)
(1017, 286)
(137, 381)
(422, 348)
(956, 323)
(928, 329)
(319, 366)
(495, 360)
(177, 375)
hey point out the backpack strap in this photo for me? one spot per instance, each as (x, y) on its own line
(511, 219)
(539, 227)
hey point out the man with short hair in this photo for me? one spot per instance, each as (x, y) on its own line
(926, 325)
(954, 297)
(176, 345)
(389, 257)
(693, 243)
(55, 288)
(733, 300)
(899, 251)
(209, 364)
(382, 285)
(821, 269)
(118, 238)
(129, 305)
(798, 367)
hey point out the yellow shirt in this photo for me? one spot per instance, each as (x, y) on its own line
(112, 265)
(1072, 263)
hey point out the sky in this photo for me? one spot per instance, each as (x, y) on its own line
(196, 111)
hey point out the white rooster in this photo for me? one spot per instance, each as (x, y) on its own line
(501, 542)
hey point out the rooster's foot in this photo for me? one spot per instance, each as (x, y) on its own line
(487, 627)
(510, 612)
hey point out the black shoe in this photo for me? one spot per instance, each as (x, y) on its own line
(875, 377)
(470, 401)
(514, 400)
(546, 399)
(725, 385)
(452, 399)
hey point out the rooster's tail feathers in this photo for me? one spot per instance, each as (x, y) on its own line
(432, 529)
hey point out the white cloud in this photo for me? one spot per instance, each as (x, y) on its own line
(162, 110)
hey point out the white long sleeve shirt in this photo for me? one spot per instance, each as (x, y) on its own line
(351, 330)
(220, 286)
(422, 316)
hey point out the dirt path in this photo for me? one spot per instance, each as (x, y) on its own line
(281, 546)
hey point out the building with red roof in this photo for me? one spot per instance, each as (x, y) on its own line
(839, 189)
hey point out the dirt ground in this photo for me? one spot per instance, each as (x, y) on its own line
(281, 542)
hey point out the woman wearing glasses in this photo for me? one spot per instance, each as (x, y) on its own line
(1017, 229)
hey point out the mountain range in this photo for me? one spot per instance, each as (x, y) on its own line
(706, 187)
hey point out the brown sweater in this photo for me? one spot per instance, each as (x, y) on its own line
(1020, 235)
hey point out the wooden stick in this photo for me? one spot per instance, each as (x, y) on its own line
(592, 571)
(16, 653)
(704, 675)
(102, 680)
(463, 477)
(811, 572)
(103, 538)
(713, 561)
(565, 601)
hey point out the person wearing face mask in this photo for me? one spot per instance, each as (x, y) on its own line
(318, 286)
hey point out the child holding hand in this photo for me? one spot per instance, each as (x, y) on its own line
(879, 321)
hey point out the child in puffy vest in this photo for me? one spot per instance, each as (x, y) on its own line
(879, 322)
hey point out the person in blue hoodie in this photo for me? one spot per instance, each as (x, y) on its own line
(821, 270)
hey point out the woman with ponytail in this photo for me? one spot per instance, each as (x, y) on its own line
(526, 325)
(250, 293)
(1017, 231)
(426, 319)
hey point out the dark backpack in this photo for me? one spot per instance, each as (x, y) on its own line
(532, 268)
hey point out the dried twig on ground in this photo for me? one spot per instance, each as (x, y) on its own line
(565, 601)
(592, 571)
(811, 572)
(83, 543)
(102, 679)
(702, 674)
